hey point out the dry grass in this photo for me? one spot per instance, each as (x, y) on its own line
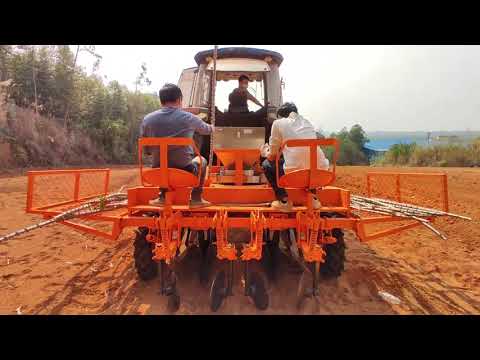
(39, 141)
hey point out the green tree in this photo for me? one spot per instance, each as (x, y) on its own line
(5, 55)
(108, 115)
(358, 136)
(351, 146)
(64, 66)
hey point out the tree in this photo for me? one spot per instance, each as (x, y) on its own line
(45, 78)
(142, 78)
(64, 64)
(5, 54)
(108, 116)
(91, 50)
(358, 136)
(34, 76)
(351, 146)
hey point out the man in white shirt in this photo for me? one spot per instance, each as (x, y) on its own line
(289, 125)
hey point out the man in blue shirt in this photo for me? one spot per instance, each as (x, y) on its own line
(172, 121)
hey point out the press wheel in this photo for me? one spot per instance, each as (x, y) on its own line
(258, 291)
(218, 291)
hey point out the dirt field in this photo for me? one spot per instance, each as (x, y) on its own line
(60, 271)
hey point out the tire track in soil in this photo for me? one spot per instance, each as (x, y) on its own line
(421, 292)
(85, 283)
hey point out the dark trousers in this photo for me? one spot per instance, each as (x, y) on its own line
(193, 168)
(269, 168)
(271, 175)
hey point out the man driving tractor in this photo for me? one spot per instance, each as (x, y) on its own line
(239, 97)
(289, 125)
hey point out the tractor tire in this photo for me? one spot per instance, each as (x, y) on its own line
(335, 257)
(147, 268)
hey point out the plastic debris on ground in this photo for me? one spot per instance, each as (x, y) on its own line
(389, 298)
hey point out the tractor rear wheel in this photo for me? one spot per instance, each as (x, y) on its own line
(335, 257)
(147, 268)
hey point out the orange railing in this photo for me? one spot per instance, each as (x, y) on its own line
(52, 188)
(160, 176)
(423, 189)
(314, 176)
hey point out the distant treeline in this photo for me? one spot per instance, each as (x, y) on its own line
(438, 155)
(352, 152)
(47, 81)
(58, 113)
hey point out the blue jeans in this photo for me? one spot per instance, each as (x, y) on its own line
(269, 168)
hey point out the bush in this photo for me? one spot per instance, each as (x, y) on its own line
(439, 155)
(400, 154)
(40, 141)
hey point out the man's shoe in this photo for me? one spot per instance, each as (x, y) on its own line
(159, 202)
(282, 206)
(199, 202)
(316, 203)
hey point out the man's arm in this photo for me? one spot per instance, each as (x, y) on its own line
(200, 126)
(145, 133)
(253, 99)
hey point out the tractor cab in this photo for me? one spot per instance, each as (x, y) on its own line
(262, 69)
(239, 134)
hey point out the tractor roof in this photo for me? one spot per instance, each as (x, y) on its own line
(239, 52)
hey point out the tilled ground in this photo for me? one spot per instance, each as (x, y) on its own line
(57, 270)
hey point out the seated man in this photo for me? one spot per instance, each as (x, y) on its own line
(171, 121)
(239, 97)
(289, 125)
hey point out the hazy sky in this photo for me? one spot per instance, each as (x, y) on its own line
(380, 87)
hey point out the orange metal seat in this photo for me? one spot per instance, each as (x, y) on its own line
(313, 177)
(163, 176)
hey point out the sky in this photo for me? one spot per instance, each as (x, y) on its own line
(382, 88)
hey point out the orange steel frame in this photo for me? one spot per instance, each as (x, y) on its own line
(441, 178)
(166, 222)
(31, 175)
(74, 200)
(398, 179)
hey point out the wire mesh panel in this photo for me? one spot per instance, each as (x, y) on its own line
(382, 186)
(92, 183)
(57, 187)
(422, 189)
(426, 191)
(52, 189)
